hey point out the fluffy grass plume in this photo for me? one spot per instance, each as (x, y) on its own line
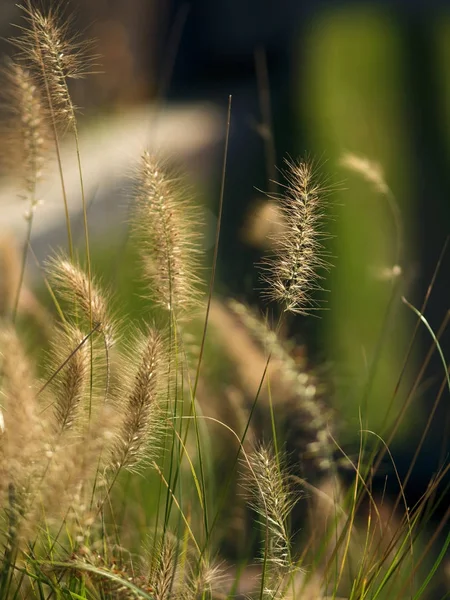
(22, 438)
(75, 288)
(22, 426)
(273, 501)
(293, 272)
(369, 169)
(298, 394)
(139, 433)
(56, 56)
(163, 572)
(165, 223)
(27, 131)
(69, 387)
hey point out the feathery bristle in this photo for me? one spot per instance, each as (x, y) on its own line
(74, 287)
(70, 385)
(138, 435)
(55, 56)
(28, 132)
(294, 271)
(164, 223)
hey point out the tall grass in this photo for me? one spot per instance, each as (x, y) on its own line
(108, 402)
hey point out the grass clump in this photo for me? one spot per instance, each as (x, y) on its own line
(108, 403)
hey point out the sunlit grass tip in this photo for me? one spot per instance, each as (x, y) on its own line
(294, 270)
(167, 223)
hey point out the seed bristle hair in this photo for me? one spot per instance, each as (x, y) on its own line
(55, 56)
(138, 436)
(165, 222)
(295, 269)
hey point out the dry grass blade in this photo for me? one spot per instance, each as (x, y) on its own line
(294, 271)
(165, 224)
(10, 271)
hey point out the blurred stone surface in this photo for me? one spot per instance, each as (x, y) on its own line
(187, 136)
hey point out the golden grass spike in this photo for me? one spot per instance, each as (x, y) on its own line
(24, 433)
(273, 501)
(56, 56)
(138, 435)
(165, 223)
(297, 394)
(164, 571)
(73, 285)
(21, 421)
(28, 133)
(72, 383)
(293, 272)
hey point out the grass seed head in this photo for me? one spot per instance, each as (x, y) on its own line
(71, 384)
(27, 131)
(165, 224)
(294, 271)
(138, 435)
(73, 285)
(55, 56)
